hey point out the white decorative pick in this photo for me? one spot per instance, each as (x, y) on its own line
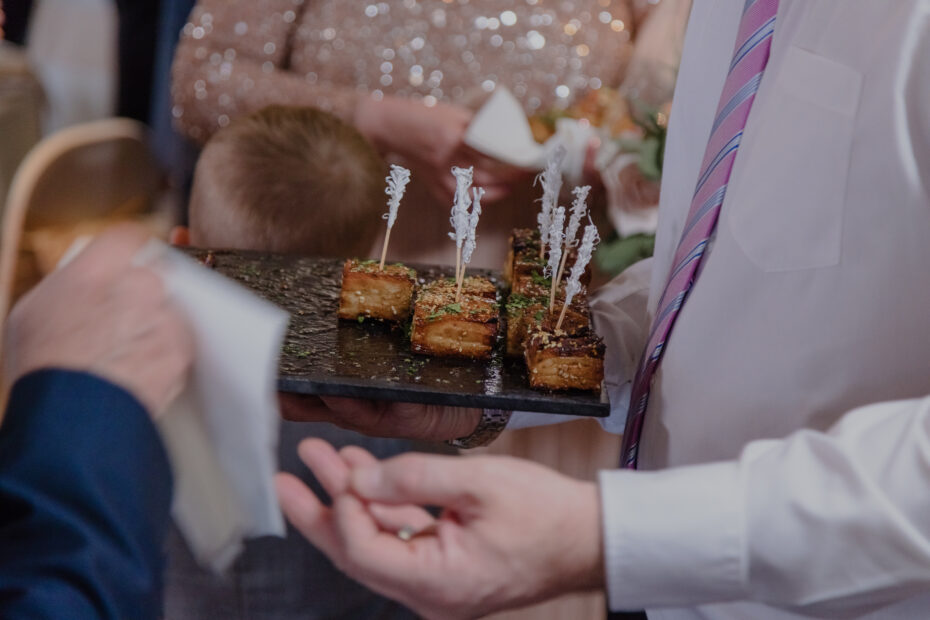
(555, 251)
(555, 237)
(551, 180)
(396, 185)
(579, 210)
(470, 238)
(573, 284)
(459, 219)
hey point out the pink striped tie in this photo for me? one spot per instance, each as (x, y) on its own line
(749, 59)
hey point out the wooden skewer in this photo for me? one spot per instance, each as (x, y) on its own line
(387, 238)
(458, 270)
(562, 265)
(552, 294)
(458, 291)
(558, 325)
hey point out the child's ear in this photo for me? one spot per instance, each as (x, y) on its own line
(180, 236)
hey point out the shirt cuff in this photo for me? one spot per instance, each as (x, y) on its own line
(614, 423)
(673, 538)
(529, 419)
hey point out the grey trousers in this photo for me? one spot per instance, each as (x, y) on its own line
(281, 579)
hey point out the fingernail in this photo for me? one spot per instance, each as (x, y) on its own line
(366, 480)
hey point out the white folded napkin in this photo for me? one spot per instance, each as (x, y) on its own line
(500, 129)
(221, 433)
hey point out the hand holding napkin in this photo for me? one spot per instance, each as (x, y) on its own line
(500, 129)
(222, 432)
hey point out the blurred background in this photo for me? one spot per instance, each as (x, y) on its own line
(85, 131)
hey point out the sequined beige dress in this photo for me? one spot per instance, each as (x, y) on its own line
(238, 56)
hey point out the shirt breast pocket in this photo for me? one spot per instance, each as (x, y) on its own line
(788, 192)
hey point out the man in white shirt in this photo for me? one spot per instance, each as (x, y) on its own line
(777, 498)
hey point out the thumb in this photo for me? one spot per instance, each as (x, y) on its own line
(419, 479)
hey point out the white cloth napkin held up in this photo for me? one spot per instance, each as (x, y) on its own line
(500, 129)
(221, 433)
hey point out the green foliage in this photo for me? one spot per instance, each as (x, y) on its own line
(650, 149)
(612, 257)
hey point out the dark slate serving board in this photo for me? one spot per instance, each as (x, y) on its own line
(325, 356)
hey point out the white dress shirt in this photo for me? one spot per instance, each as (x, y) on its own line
(812, 302)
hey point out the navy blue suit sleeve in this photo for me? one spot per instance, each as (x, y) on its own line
(85, 491)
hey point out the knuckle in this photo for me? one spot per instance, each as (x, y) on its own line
(110, 250)
(137, 293)
(355, 556)
(121, 240)
(145, 283)
(340, 562)
(180, 358)
(410, 473)
(18, 315)
(182, 336)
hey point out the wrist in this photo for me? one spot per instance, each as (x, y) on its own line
(382, 119)
(369, 120)
(585, 556)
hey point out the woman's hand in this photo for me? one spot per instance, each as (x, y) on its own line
(638, 191)
(430, 139)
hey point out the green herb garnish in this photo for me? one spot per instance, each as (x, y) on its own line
(414, 366)
(249, 270)
(541, 280)
(410, 272)
(455, 308)
(516, 300)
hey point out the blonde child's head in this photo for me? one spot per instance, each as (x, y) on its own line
(290, 180)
